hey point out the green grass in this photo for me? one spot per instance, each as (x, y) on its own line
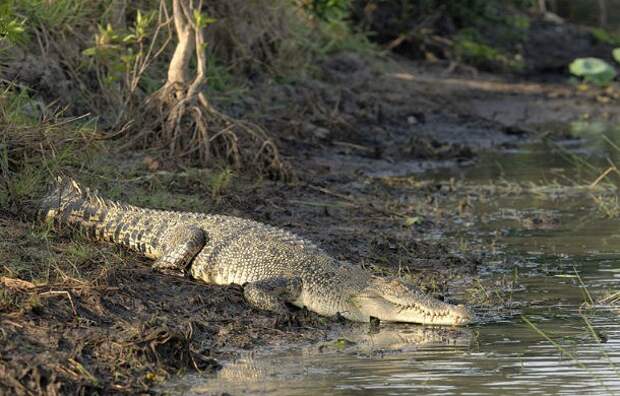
(337, 36)
(34, 148)
(605, 36)
(57, 13)
(470, 49)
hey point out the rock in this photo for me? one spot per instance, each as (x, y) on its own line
(347, 68)
(551, 47)
(321, 133)
(309, 128)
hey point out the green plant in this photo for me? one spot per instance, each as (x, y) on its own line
(337, 35)
(12, 28)
(593, 70)
(124, 59)
(484, 33)
(52, 14)
(605, 36)
(328, 10)
(116, 53)
(219, 181)
(8, 300)
(219, 76)
(34, 147)
(469, 48)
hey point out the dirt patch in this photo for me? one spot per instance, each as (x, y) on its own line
(373, 111)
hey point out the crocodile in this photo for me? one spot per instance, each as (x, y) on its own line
(273, 266)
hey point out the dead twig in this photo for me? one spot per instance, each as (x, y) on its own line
(11, 323)
(602, 176)
(65, 293)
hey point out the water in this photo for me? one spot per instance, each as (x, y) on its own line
(504, 355)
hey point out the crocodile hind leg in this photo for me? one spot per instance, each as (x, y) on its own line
(182, 243)
(271, 293)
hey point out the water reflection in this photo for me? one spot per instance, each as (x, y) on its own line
(289, 372)
(482, 361)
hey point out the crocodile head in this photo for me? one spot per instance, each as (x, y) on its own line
(394, 301)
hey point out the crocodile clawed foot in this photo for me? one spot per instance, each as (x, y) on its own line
(167, 270)
(286, 320)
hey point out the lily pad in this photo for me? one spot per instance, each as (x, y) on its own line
(616, 54)
(593, 70)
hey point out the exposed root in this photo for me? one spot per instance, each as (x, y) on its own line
(187, 126)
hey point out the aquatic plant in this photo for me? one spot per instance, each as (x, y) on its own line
(590, 302)
(593, 70)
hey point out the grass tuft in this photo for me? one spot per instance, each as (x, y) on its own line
(33, 150)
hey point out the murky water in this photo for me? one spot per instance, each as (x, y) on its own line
(552, 233)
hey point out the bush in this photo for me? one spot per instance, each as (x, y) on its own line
(328, 10)
(482, 32)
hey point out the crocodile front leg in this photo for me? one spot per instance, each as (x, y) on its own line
(271, 293)
(181, 244)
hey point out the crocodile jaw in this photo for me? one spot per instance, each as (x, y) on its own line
(395, 301)
(451, 315)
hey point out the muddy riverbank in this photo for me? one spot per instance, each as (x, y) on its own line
(546, 294)
(77, 316)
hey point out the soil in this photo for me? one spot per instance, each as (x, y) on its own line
(350, 135)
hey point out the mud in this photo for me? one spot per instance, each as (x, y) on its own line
(106, 323)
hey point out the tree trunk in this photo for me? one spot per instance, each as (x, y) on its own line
(542, 6)
(178, 71)
(602, 7)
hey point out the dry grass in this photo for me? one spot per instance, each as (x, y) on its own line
(33, 148)
(254, 36)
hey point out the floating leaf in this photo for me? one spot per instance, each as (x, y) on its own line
(616, 54)
(588, 66)
(593, 70)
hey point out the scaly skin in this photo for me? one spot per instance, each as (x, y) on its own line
(274, 266)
